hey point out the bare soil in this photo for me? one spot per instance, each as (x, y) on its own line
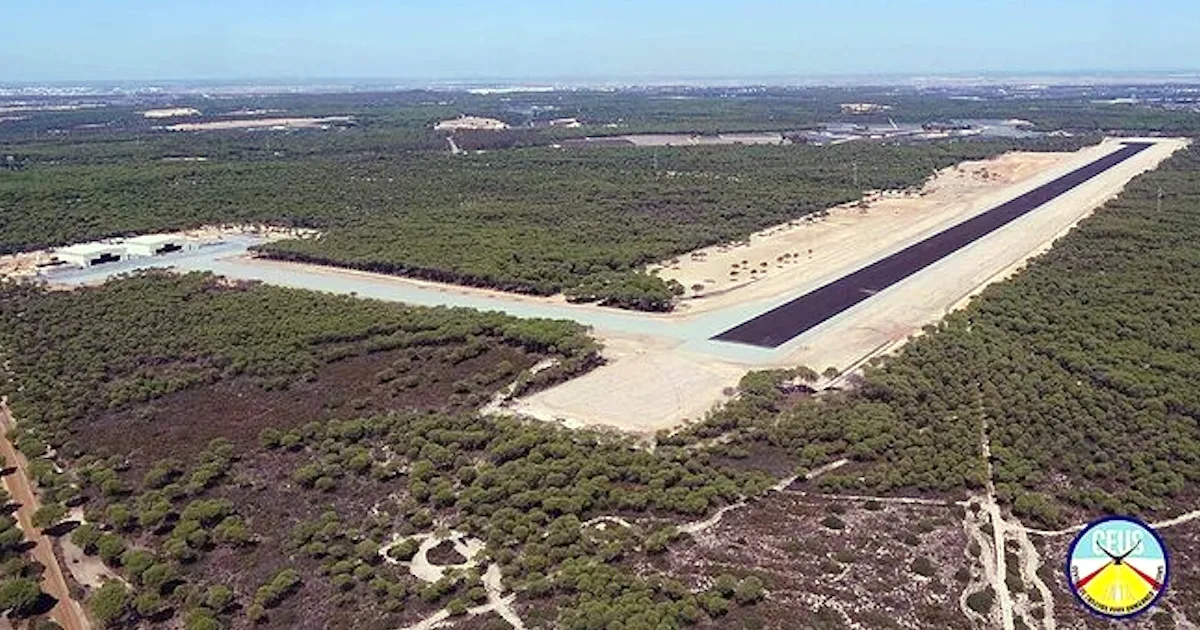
(779, 255)
(262, 123)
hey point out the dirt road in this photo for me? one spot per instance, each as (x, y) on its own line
(67, 612)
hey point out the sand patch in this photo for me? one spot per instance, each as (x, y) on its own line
(772, 261)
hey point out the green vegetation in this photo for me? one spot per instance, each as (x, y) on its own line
(524, 488)
(533, 220)
(545, 221)
(1091, 347)
(193, 330)
(20, 594)
(346, 422)
(110, 603)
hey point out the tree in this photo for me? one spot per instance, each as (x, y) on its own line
(110, 603)
(85, 537)
(110, 547)
(49, 515)
(201, 619)
(19, 596)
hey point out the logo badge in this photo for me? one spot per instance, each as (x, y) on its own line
(1117, 567)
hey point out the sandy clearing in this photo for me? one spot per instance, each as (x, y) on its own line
(89, 571)
(471, 123)
(650, 384)
(686, 140)
(775, 259)
(262, 123)
(886, 321)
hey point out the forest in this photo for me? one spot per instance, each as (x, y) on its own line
(535, 220)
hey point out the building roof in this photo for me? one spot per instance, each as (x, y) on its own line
(153, 239)
(89, 249)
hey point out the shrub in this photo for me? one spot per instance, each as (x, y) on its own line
(749, 590)
(923, 567)
(833, 522)
(981, 602)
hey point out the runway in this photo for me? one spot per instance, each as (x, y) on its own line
(792, 319)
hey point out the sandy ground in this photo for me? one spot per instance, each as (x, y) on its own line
(67, 612)
(647, 384)
(171, 112)
(773, 260)
(661, 385)
(261, 123)
(89, 571)
(684, 140)
(475, 123)
(469, 548)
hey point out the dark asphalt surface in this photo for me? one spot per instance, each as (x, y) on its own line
(784, 323)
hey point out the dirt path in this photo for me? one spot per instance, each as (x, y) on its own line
(421, 568)
(867, 497)
(67, 612)
(973, 528)
(1031, 561)
(502, 606)
(1003, 597)
(1186, 517)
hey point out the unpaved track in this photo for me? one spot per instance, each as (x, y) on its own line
(1031, 561)
(1003, 597)
(67, 612)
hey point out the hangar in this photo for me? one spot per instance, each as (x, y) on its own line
(156, 245)
(91, 254)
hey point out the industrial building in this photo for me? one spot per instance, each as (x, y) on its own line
(90, 254)
(98, 253)
(156, 245)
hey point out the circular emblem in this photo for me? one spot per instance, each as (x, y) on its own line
(1117, 567)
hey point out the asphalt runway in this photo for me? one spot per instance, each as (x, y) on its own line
(786, 322)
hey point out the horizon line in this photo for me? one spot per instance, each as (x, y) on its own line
(630, 80)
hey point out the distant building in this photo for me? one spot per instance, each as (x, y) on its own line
(864, 108)
(172, 112)
(471, 123)
(90, 254)
(566, 122)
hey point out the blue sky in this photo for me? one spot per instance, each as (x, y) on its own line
(59, 40)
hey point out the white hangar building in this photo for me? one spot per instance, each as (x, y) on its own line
(91, 254)
(156, 245)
